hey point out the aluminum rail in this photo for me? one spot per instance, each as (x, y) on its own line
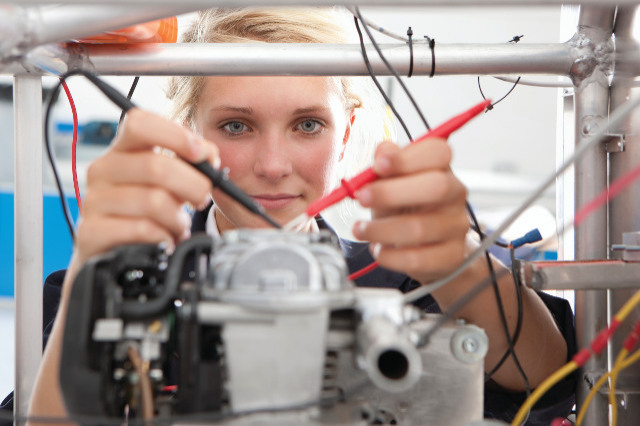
(587, 275)
(623, 210)
(595, 26)
(28, 226)
(394, 3)
(299, 59)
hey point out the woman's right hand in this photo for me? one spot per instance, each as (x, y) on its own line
(136, 195)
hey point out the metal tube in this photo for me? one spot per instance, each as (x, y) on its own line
(28, 236)
(313, 59)
(394, 3)
(623, 209)
(44, 25)
(591, 105)
(387, 355)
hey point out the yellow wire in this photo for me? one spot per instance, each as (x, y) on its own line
(615, 371)
(589, 398)
(554, 378)
(631, 360)
(628, 307)
(565, 370)
(617, 366)
(585, 405)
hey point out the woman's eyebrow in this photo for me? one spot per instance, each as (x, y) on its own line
(314, 108)
(231, 108)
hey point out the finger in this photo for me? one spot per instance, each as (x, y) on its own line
(430, 154)
(143, 130)
(423, 263)
(184, 182)
(99, 234)
(423, 189)
(140, 202)
(414, 229)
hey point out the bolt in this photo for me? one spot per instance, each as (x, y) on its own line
(469, 345)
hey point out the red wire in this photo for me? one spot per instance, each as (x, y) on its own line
(73, 145)
(606, 195)
(370, 267)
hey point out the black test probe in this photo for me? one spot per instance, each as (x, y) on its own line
(218, 178)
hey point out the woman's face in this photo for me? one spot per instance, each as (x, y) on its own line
(280, 137)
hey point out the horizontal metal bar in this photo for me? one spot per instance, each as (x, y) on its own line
(307, 59)
(584, 275)
(235, 3)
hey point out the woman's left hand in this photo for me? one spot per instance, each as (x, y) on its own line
(419, 218)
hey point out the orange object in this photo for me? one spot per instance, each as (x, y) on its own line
(160, 31)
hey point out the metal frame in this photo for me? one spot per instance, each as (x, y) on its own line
(591, 101)
(208, 3)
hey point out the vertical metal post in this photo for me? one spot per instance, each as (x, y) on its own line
(595, 27)
(27, 101)
(623, 209)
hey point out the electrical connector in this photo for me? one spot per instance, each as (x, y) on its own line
(528, 238)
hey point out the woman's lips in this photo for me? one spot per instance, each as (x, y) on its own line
(273, 202)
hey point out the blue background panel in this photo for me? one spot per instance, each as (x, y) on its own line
(57, 245)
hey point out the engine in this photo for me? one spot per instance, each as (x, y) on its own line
(259, 325)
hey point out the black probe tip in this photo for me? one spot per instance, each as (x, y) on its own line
(219, 179)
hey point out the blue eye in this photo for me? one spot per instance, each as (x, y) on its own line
(235, 127)
(310, 126)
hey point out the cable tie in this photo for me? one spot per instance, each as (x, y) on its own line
(410, 35)
(351, 191)
(432, 45)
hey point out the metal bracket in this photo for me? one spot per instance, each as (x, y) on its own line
(616, 143)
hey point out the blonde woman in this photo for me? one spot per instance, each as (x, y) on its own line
(284, 140)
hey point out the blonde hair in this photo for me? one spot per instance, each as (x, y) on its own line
(289, 25)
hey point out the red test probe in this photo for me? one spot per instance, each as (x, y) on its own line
(349, 187)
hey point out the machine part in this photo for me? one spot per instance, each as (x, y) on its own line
(385, 349)
(469, 344)
(273, 270)
(585, 275)
(276, 364)
(386, 353)
(630, 246)
(444, 385)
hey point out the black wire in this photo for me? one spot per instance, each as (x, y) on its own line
(490, 107)
(503, 318)
(516, 333)
(447, 315)
(377, 83)
(390, 67)
(492, 272)
(515, 39)
(129, 96)
(47, 143)
(482, 235)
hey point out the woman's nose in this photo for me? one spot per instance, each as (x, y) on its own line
(273, 159)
